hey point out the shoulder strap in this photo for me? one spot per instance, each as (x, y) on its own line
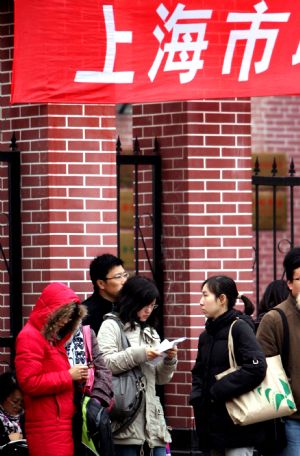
(124, 340)
(87, 340)
(286, 339)
(232, 361)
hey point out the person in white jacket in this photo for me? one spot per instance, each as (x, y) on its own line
(136, 306)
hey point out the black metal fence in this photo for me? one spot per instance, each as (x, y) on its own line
(282, 239)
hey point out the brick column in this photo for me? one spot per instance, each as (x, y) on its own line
(207, 207)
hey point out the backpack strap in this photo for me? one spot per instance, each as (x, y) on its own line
(137, 373)
(286, 339)
(125, 344)
(124, 340)
(87, 340)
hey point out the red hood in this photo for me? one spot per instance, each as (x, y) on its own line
(51, 299)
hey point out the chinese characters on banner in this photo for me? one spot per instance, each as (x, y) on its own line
(95, 51)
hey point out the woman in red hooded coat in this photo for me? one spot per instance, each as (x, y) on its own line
(44, 372)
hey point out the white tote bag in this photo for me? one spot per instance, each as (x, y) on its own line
(271, 399)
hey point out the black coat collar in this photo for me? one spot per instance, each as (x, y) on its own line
(213, 326)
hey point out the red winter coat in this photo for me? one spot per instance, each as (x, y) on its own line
(43, 373)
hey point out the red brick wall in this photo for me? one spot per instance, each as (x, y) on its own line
(206, 205)
(68, 182)
(68, 194)
(276, 125)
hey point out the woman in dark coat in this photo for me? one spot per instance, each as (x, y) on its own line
(215, 429)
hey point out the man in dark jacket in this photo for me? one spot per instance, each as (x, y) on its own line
(108, 276)
(270, 336)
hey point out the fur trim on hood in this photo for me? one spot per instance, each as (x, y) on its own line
(57, 302)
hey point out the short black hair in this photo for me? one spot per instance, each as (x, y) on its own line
(101, 265)
(8, 384)
(291, 262)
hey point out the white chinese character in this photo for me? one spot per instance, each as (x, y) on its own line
(182, 44)
(108, 75)
(251, 35)
(296, 56)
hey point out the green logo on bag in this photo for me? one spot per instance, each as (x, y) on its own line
(278, 397)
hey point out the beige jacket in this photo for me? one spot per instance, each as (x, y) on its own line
(149, 424)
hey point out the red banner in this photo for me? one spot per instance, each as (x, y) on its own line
(95, 51)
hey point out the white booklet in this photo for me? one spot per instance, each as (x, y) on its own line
(167, 344)
(163, 347)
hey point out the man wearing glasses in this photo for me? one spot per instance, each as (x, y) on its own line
(108, 277)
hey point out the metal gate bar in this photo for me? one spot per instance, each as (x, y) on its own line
(14, 232)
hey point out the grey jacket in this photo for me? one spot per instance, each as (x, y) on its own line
(149, 425)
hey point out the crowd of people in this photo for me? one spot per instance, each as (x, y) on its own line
(42, 401)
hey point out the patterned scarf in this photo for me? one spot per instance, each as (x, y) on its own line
(11, 423)
(75, 349)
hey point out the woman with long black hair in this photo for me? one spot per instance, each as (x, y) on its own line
(136, 305)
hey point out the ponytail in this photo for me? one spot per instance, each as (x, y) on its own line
(248, 305)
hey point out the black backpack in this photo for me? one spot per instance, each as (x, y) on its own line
(15, 448)
(98, 428)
